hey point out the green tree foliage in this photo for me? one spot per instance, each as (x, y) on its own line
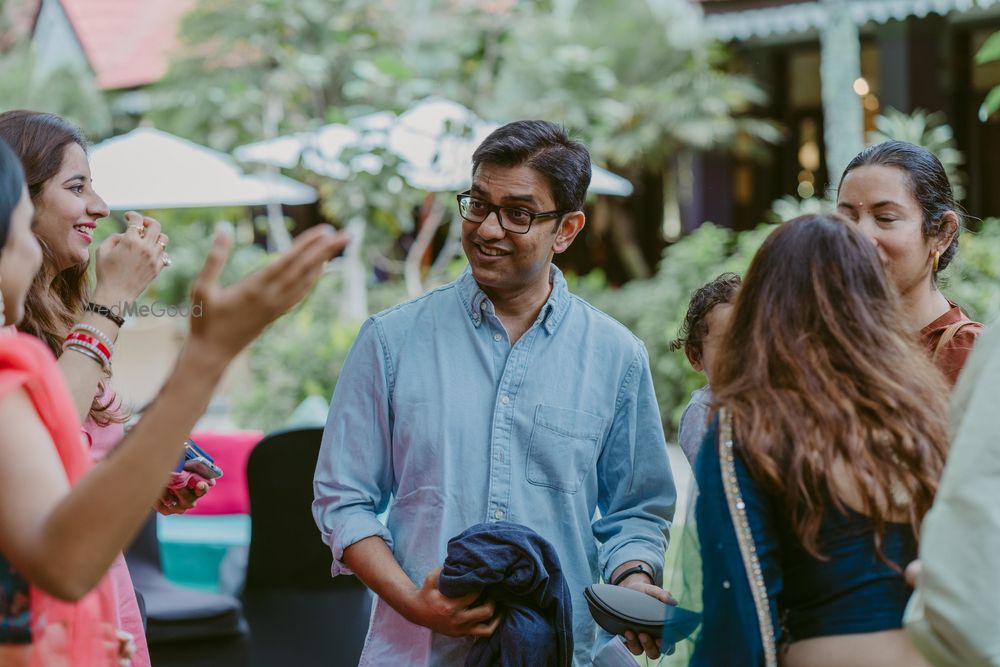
(989, 52)
(654, 309)
(301, 63)
(635, 79)
(251, 64)
(301, 355)
(930, 130)
(67, 91)
(640, 85)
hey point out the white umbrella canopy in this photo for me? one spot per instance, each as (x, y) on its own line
(435, 139)
(148, 168)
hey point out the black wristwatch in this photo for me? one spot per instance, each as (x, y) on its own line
(105, 312)
(632, 570)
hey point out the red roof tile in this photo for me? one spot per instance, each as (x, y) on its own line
(127, 42)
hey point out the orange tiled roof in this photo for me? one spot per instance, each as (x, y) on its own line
(127, 42)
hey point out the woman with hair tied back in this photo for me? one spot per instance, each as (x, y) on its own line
(64, 519)
(823, 458)
(899, 196)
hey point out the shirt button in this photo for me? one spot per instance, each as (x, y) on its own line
(497, 337)
(498, 515)
(505, 399)
(726, 585)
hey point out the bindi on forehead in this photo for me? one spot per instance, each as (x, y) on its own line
(853, 206)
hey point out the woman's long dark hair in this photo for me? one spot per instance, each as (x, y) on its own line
(821, 374)
(11, 187)
(55, 300)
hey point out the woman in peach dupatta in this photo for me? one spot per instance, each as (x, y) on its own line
(63, 520)
(83, 632)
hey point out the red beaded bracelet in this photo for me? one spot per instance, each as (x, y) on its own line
(90, 341)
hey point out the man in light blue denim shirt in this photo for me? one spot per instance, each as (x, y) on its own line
(500, 396)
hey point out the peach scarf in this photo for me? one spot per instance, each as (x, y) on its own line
(63, 633)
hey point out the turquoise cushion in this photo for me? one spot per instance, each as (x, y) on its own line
(192, 547)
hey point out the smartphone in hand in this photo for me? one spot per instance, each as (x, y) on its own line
(197, 460)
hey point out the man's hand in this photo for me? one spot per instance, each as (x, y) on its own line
(454, 617)
(638, 643)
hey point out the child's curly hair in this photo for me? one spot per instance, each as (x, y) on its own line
(704, 299)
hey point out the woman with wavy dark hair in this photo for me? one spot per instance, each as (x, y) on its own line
(899, 196)
(67, 212)
(823, 459)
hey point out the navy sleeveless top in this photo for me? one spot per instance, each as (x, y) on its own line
(852, 590)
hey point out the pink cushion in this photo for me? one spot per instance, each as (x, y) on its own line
(230, 451)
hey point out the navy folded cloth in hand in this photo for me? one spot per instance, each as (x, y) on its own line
(519, 570)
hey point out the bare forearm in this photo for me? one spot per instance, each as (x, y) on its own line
(373, 562)
(103, 511)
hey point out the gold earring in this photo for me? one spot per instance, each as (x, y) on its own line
(937, 258)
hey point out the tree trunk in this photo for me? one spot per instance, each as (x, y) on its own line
(354, 304)
(840, 67)
(278, 238)
(429, 224)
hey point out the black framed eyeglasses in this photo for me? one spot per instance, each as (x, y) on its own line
(512, 219)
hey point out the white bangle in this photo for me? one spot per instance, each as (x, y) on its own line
(105, 359)
(103, 337)
(87, 351)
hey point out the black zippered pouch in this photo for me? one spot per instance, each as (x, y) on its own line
(617, 609)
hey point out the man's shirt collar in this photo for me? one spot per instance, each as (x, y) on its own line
(477, 303)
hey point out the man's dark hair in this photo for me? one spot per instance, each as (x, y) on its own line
(705, 298)
(546, 148)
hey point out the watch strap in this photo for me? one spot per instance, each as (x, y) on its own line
(630, 571)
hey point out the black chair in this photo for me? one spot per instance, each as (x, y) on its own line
(185, 627)
(298, 614)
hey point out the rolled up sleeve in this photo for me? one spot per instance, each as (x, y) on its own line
(636, 495)
(353, 480)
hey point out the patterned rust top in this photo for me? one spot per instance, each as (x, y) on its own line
(955, 345)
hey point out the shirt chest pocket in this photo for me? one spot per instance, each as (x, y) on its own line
(563, 447)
